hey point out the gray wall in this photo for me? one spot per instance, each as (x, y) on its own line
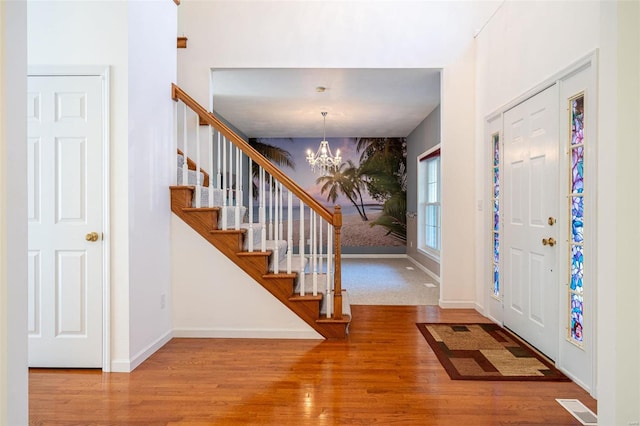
(423, 137)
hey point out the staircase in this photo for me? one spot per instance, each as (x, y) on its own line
(211, 195)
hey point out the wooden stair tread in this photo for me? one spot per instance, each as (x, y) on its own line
(255, 254)
(344, 320)
(306, 297)
(200, 209)
(228, 231)
(280, 275)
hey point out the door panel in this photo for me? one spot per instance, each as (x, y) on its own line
(65, 181)
(531, 188)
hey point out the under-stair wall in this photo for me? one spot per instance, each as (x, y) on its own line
(213, 297)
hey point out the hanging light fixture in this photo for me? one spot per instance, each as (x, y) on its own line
(323, 160)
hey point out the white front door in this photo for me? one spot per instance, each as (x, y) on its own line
(65, 181)
(530, 209)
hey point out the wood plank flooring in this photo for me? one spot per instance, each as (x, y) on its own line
(385, 373)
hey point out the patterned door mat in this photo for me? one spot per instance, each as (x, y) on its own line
(486, 352)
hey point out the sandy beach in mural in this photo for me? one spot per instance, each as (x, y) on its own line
(355, 232)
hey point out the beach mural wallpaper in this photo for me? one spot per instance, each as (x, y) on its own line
(369, 185)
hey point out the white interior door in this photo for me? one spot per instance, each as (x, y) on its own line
(65, 181)
(530, 200)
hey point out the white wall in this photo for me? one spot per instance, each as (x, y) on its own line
(343, 34)
(515, 53)
(82, 33)
(622, 319)
(213, 297)
(137, 41)
(152, 68)
(13, 214)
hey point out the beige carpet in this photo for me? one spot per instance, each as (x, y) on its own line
(387, 281)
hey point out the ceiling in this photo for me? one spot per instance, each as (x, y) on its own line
(286, 102)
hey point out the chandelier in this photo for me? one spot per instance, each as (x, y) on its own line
(323, 160)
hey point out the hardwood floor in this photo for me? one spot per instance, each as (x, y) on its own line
(385, 373)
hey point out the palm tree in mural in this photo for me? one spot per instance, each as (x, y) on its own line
(278, 156)
(383, 171)
(345, 181)
(380, 160)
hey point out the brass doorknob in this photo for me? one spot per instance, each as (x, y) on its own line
(92, 236)
(550, 241)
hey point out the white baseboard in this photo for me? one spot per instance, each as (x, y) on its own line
(127, 366)
(495, 320)
(457, 304)
(245, 333)
(433, 276)
(373, 256)
(120, 366)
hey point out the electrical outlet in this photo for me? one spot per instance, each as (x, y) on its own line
(163, 301)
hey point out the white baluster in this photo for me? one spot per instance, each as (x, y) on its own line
(263, 211)
(210, 151)
(314, 252)
(270, 207)
(320, 262)
(301, 244)
(276, 249)
(230, 177)
(218, 157)
(238, 189)
(175, 138)
(289, 231)
(225, 185)
(280, 225)
(185, 166)
(329, 269)
(198, 183)
(250, 179)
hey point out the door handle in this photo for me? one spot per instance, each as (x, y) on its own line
(549, 241)
(92, 236)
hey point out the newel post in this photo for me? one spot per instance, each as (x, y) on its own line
(337, 275)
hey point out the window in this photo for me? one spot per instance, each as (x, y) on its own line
(429, 202)
(495, 219)
(576, 220)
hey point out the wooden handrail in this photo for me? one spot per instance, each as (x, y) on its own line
(178, 94)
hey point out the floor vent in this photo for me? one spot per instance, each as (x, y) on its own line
(430, 285)
(579, 411)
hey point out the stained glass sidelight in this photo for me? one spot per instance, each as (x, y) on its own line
(577, 225)
(577, 169)
(495, 171)
(576, 218)
(577, 261)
